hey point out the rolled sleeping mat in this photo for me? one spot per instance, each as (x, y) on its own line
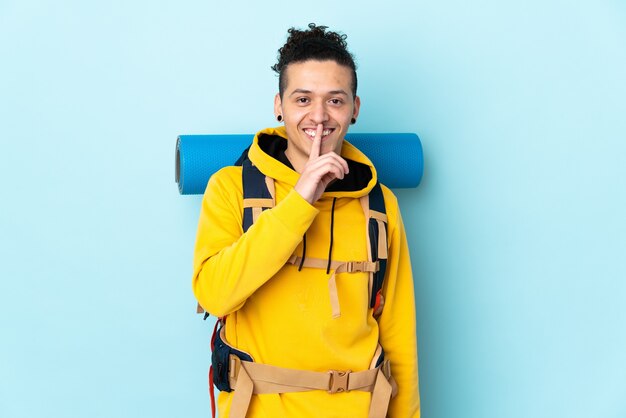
(397, 157)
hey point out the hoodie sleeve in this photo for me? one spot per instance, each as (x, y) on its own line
(397, 322)
(230, 265)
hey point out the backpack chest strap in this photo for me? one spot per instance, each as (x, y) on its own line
(336, 267)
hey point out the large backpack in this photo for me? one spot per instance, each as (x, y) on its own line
(259, 195)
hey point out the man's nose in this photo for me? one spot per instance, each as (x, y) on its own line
(318, 113)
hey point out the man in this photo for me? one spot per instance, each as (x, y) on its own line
(293, 299)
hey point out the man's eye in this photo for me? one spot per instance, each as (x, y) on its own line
(302, 100)
(335, 101)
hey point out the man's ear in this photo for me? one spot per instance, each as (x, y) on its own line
(278, 106)
(357, 106)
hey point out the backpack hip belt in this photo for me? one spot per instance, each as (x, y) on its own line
(248, 378)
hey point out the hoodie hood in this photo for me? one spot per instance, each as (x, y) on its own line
(267, 153)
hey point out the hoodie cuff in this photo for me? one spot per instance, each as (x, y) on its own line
(295, 213)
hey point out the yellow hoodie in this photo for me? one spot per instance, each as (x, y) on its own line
(282, 316)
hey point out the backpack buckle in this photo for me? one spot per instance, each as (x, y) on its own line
(353, 266)
(338, 381)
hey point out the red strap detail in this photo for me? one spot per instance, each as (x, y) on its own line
(211, 393)
(215, 333)
(377, 303)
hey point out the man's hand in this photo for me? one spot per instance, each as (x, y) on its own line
(319, 170)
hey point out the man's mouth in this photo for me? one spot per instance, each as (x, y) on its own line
(311, 132)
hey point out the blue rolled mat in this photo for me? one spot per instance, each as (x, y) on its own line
(397, 157)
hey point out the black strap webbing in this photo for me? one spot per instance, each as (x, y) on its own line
(377, 203)
(254, 187)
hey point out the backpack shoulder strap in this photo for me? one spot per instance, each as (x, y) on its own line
(376, 224)
(258, 191)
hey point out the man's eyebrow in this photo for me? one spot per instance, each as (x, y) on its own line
(304, 91)
(301, 91)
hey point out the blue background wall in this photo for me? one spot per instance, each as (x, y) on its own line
(517, 232)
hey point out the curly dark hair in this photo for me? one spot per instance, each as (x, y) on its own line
(313, 44)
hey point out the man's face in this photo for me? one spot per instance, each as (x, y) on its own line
(317, 92)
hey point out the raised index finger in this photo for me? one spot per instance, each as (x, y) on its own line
(316, 147)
